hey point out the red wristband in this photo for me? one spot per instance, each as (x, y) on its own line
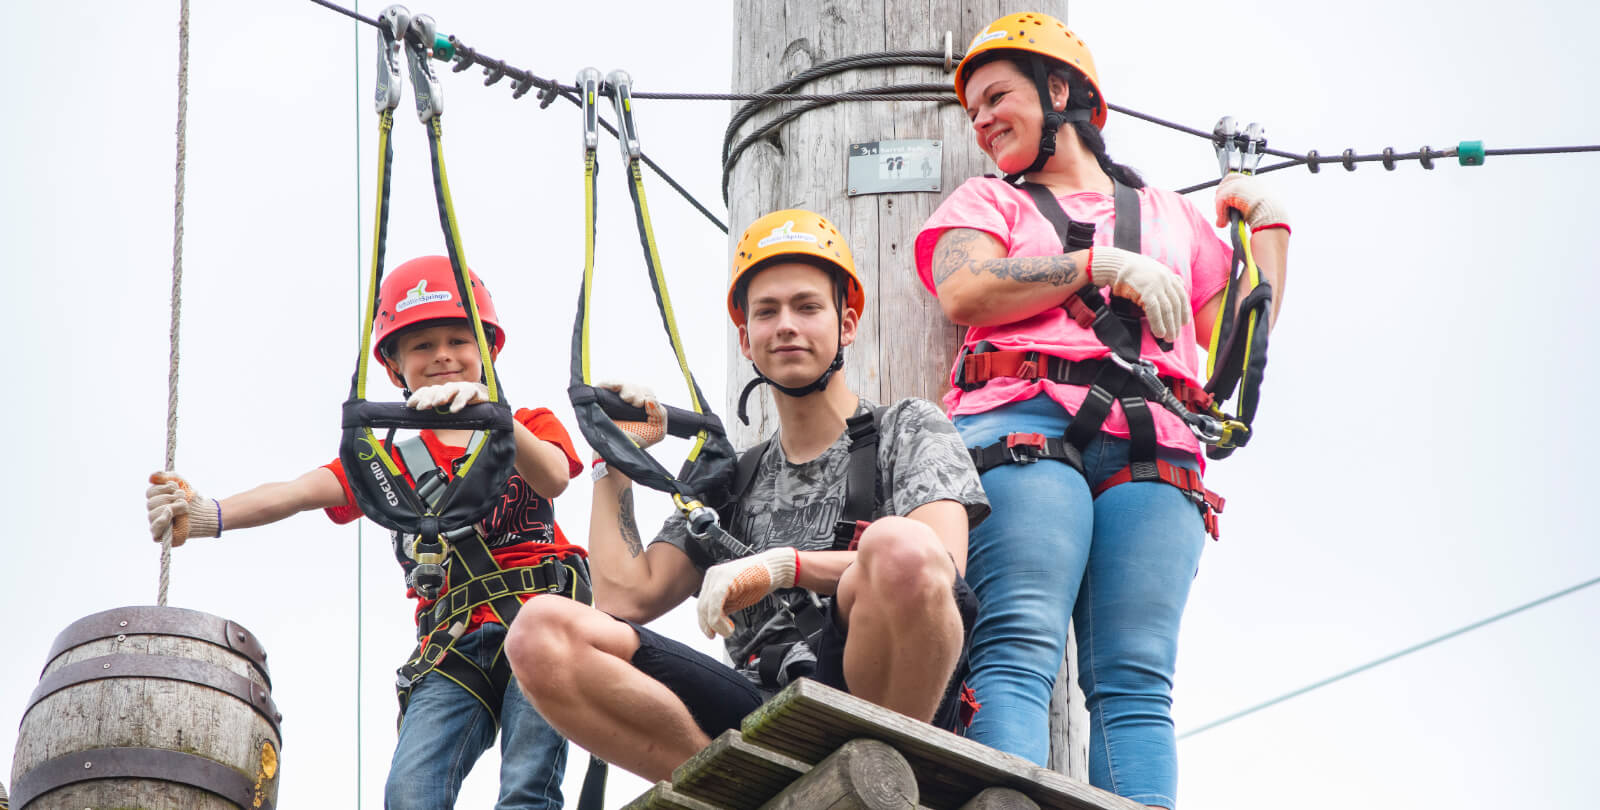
(1283, 225)
(797, 567)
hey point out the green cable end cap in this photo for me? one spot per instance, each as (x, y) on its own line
(1470, 153)
(443, 49)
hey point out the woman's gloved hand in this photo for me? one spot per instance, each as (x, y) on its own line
(1247, 195)
(1146, 282)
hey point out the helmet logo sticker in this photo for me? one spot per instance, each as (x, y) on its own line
(985, 37)
(420, 295)
(785, 233)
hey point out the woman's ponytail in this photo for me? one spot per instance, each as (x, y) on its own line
(1080, 94)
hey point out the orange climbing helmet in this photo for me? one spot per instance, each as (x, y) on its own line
(802, 236)
(424, 289)
(1041, 35)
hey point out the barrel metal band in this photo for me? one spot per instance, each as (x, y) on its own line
(162, 621)
(165, 667)
(138, 763)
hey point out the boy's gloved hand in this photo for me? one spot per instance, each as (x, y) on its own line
(459, 394)
(1146, 282)
(172, 502)
(1249, 197)
(738, 584)
(654, 428)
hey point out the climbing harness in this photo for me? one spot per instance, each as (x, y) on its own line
(704, 476)
(1237, 353)
(1122, 377)
(380, 488)
(774, 663)
(474, 579)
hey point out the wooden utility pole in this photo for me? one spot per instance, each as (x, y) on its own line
(905, 345)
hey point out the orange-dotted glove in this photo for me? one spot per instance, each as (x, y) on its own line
(738, 584)
(1247, 195)
(654, 428)
(1146, 282)
(174, 504)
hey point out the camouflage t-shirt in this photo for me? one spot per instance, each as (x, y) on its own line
(920, 460)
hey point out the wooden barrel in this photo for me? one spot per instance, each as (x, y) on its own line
(152, 707)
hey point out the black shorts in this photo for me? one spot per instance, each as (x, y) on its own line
(718, 696)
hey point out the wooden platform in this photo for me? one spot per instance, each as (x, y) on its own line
(790, 735)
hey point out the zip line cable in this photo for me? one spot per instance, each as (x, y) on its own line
(1390, 657)
(1468, 153)
(177, 284)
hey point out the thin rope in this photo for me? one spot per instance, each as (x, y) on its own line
(355, 71)
(1390, 657)
(177, 284)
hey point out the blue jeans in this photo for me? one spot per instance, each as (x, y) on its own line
(1130, 554)
(446, 729)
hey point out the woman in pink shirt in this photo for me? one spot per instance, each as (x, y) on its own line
(1099, 514)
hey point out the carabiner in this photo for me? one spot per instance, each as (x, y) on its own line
(392, 25)
(589, 99)
(621, 85)
(424, 83)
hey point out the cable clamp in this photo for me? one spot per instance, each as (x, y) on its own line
(589, 100)
(419, 39)
(392, 25)
(621, 85)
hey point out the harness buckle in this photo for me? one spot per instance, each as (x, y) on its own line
(419, 38)
(589, 99)
(621, 85)
(392, 25)
(1025, 448)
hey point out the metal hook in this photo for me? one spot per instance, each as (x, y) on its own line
(1255, 146)
(621, 85)
(589, 100)
(424, 82)
(1224, 136)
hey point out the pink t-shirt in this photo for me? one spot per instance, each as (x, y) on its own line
(1173, 232)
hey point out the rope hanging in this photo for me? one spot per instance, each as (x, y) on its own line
(177, 283)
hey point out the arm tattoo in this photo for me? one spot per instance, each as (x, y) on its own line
(630, 530)
(954, 252)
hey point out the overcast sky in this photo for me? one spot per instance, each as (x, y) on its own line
(1422, 452)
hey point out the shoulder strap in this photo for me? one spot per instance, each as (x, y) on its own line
(744, 472)
(1074, 235)
(1126, 232)
(861, 478)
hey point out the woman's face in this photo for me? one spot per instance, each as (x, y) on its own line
(1003, 105)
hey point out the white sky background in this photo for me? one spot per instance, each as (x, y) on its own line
(1422, 447)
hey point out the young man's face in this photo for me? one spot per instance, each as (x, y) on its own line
(435, 355)
(793, 326)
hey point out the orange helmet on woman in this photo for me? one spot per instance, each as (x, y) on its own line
(1040, 43)
(798, 235)
(424, 289)
(1040, 35)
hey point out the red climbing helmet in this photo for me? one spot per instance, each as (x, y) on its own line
(424, 289)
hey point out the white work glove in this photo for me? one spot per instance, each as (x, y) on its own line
(1146, 282)
(459, 394)
(654, 428)
(172, 502)
(738, 584)
(1249, 197)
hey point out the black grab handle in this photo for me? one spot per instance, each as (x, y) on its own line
(681, 423)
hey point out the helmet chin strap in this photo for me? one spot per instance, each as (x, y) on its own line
(813, 387)
(1053, 120)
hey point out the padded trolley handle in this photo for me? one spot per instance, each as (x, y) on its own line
(681, 423)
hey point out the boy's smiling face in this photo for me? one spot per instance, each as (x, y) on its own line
(794, 326)
(433, 355)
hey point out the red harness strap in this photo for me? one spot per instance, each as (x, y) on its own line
(1210, 503)
(978, 368)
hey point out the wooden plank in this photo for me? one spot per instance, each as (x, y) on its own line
(663, 797)
(807, 717)
(862, 774)
(734, 774)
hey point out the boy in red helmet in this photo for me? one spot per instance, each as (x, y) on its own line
(424, 339)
